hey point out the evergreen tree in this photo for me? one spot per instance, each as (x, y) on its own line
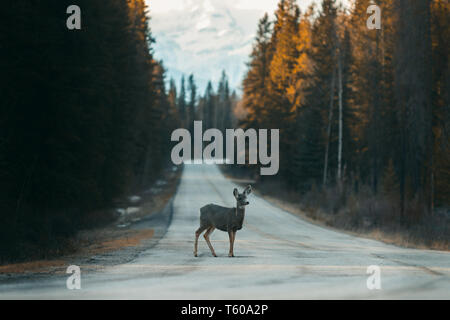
(223, 103)
(413, 79)
(209, 107)
(192, 101)
(84, 118)
(182, 103)
(256, 80)
(281, 107)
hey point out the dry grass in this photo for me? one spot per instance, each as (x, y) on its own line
(33, 266)
(129, 239)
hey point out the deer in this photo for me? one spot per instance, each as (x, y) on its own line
(225, 219)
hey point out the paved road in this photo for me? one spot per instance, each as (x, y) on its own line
(278, 256)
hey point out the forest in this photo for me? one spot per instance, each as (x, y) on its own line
(87, 115)
(365, 112)
(85, 119)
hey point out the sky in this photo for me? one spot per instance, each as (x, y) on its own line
(204, 37)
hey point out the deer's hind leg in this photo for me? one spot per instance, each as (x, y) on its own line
(197, 234)
(206, 236)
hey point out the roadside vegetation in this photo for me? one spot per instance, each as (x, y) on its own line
(364, 214)
(363, 115)
(116, 230)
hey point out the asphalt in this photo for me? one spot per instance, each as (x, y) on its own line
(277, 256)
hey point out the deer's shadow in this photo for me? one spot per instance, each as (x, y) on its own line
(205, 255)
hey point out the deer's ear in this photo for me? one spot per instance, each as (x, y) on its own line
(235, 192)
(248, 190)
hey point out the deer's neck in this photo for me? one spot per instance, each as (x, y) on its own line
(240, 211)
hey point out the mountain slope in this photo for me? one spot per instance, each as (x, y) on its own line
(204, 37)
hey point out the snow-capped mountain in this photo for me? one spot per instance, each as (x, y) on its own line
(204, 37)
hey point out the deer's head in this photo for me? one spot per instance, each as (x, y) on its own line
(241, 198)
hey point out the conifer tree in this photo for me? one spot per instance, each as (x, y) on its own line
(255, 84)
(192, 87)
(182, 102)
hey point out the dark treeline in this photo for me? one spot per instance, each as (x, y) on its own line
(213, 108)
(84, 117)
(364, 113)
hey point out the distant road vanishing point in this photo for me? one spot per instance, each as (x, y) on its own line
(278, 256)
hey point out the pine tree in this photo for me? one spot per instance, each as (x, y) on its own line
(413, 81)
(283, 61)
(320, 92)
(281, 107)
(172, 98)
(256, 80)
(209, 107)
(192, 87)
(223, 103)
(440, 161)
(182, 102)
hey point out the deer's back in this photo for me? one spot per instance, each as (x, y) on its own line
(217, 216)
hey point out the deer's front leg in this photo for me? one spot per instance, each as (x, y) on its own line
(231, 236)
(206, 236)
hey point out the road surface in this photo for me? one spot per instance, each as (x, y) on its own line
(278, 256)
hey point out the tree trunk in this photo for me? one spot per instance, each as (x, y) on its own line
(330, 119)
(339, 172)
